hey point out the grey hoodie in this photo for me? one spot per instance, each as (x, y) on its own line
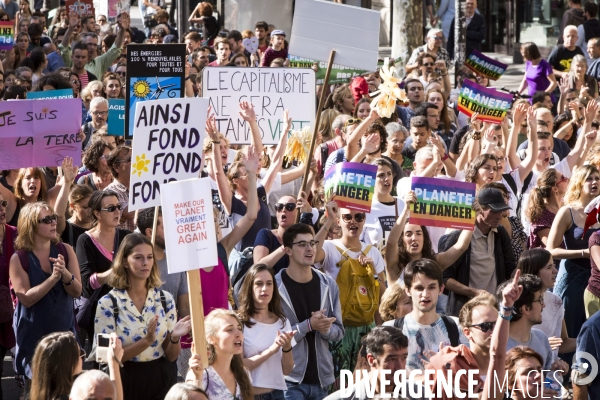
(330, 301)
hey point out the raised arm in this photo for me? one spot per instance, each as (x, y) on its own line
(123, 23)
(277, 162)
(244, 224)
(563, 86)
(249, 115)
(583, 144)
(528, 163)
(441, 65)
(352, 145)
(73, 21)
(391, 244)
(449, 165)
(449, 257)
(225, 192)
(332, 210)
(62, 199)
(519, 115)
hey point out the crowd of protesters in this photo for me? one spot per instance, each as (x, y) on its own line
(289, 306)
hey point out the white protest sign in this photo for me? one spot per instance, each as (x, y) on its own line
(321, 26)
(187, 214)
(271, 90)
(167, 146)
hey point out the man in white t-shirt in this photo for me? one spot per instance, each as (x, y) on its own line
(426, 330)
(329, 255)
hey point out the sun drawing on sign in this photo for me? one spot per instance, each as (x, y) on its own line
(141, 89)
(140, 165)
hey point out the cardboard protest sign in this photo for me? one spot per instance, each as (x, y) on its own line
(7, 34)
(154, 71)
(190, 237)
(39, 133)
(443, 203)
(116, 117)
(352, 31)
(486, 66)
(167, 146)
(339, 73)
(352, 184)
(51, 94)
(491, 104)
(84, 8)
(271, 90)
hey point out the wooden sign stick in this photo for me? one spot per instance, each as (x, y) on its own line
(197, 313)
(154, 225)
(322, 99)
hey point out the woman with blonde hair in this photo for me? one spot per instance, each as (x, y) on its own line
(145, 319)
(569, 224)
(544, 202)
(341, 100)
(395, 303)
(225, 376)
(45, 279)
(325, 127)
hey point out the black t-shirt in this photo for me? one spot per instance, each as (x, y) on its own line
(409, 153)
(458, 135)
(306, 299)
(71, 234)
(561, 57)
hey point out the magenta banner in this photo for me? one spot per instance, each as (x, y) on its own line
(39, 133)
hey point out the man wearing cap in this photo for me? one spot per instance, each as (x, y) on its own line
(435, 37)
(277, 49)
(488, 261)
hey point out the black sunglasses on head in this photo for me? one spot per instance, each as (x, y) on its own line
(288, 206)
(48, 219)
(485, 327)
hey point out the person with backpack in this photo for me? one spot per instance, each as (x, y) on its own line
(424, 327)
(144, 318)
(45, 278)
(358, 269)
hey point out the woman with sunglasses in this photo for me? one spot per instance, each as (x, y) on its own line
(543, 205)
(569, 225)
(539, 262)
(97, 247)
(45, 278)
(409, 242)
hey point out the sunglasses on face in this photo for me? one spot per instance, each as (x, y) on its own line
(561, 180)
(48, 219)
(485, 327)
(428, 64)
(3, 203)
(360, 217)
(112, 208)
(288, 206)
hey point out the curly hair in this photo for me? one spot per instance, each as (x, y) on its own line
(377, 127)
(478, 162)
(540, 194)
(593, 156)
(55, 79)
(246, 297)
(575, 188)
(390, 299)
(92, 155)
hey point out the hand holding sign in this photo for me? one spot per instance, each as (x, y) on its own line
(250, 44)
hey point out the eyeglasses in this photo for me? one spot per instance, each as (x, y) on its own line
(303, 244)
(540, 300)
(352, 121)
(99, 113)
(112, 208)
(485, 327)
(125, 161)
(3, 203)
(360, 217)
(428, 64)
(48, 219)
(288, 206)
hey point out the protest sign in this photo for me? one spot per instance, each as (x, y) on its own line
(443, 203)
(85, 8)
(39, 133)
(7, 33)
(154, 71)
(351, 185)
(187, 215)
(339, 73)
(271, 90)
(116, 117)
(491, 104)
(352, 31)
(486, 66)
(167, 146)
(50, 94)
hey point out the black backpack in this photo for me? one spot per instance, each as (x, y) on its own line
(451, 327)
(513, 186)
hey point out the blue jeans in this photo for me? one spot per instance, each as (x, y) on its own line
(304, 391)
(274, 395)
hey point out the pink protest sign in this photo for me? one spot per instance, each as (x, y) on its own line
(39, 133)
